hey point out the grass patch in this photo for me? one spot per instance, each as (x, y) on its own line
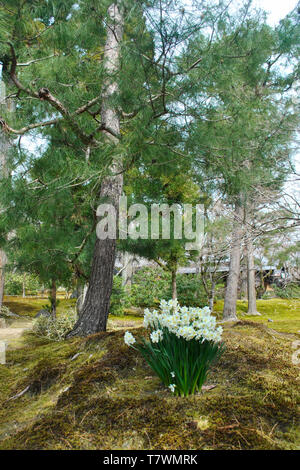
(285, 313)
(29, 306)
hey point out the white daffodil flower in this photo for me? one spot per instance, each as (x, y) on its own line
(129, 339)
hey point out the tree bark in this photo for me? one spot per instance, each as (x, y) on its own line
(174, 284)
(81, 290)
(2, 275)
(5, 145)
(127, 272)
(212, 295)
(252, 309)
(53, 299)
(23, 286)
(244, 275)
(229, 311)
(94, 314)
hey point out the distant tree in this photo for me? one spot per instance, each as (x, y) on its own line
(244, 141)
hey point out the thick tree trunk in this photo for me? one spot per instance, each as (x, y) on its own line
(5, 144)
(252, 309)
(94, 314)
(229, 311)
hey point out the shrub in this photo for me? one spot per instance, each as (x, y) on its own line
(290, 291)
(148, 286)
(6, 313)
(55, 328)
(14, 283)
(152, 284)
(184, 342)
(190, 290)
(119, 299)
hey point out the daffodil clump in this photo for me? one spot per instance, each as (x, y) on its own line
(183, 344)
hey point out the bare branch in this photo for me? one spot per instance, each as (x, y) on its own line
(34, 61)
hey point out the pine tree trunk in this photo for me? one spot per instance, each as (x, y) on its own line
(2, 276)
(212, 295)
(229, 311)
(244, 283)
(23, 287)
(53, 299)
(252, 309)
(174, 284)
(128, 270)
(94, 314)
(244, 275)
(81, 290)
(5, 145)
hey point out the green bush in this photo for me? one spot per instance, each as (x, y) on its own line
(55, 328)
(6, 313)
(119, 299)
(190, 290)
(148, 286)
(14, 283)
(151, 284)
(290, 291)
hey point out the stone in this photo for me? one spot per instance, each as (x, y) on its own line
(43, 313)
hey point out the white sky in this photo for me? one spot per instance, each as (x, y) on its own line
(277, 9)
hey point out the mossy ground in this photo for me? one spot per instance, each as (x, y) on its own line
(29, 306)
(96, 393)
(284, 313)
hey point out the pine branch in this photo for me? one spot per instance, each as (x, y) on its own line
(44, 95)
(34, 61)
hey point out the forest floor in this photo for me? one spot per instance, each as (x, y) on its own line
(96, 393)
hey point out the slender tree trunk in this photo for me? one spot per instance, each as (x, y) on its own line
(212, 295)
(244, 274)
(128, 270)
(252, 309)
(229, 311)
(2, 276)
(53, 299)
(81, 290)
(23, 286)
(244, 283)
(174, 284)
(93, 317)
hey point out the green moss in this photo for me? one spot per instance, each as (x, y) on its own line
(284, 313)
(95, 393)
(29, 306)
